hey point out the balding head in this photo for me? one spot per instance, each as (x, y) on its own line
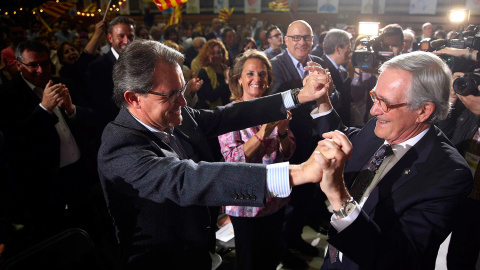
(299, 49)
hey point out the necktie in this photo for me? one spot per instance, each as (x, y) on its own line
(343, 73)
(361, 183)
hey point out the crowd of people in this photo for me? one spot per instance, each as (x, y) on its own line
(143, 136)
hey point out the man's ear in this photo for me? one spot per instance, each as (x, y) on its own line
(425, 112)
(132, 99)
(110, 38)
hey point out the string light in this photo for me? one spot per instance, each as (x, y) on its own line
(120, 3)
(6, 13)
(111, 9)
(41, 10)
(99, 10)
(14, 12)
(33, 12)
(21, 9)
(113, 6)
(117, 9)
(78, 12)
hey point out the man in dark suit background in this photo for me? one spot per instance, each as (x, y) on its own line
(45, 137)
(216, 30)
(400, 218)
(288, 69)
(337, 52)
(121, 31)
(152, 161)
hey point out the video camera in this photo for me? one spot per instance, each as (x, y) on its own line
(368, 58)
(469, 38)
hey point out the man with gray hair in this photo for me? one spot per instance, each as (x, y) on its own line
(156, 169)
(337, 52)
(404, 183)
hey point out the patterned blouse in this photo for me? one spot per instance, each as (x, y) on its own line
(231, 145)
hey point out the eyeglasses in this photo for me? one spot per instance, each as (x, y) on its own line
(279, 35)
(383, 104)
(36, 65)
(298, 38)
(173, 96)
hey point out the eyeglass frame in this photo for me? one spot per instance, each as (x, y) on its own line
(172, 94)
(388, 106)
(277, 35)
(37, 65)
(299, 37)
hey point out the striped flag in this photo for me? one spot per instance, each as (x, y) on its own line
(176, 16)
(279, 5)
(224, 14)
(40, 19)
(166, 4)
(56, 9)
(92, 8)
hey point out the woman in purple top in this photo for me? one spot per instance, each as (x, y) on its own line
(258, 238)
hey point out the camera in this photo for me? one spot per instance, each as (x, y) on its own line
(367, 59)
(467, 84)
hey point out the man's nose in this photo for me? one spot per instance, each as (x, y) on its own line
(376, 109)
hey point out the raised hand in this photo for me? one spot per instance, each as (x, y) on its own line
(52, 95)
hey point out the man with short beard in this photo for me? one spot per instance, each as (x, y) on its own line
(121, 31)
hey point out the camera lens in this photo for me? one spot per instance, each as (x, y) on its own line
(467, 85)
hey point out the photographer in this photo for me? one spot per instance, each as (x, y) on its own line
(462, 128)
(390, 40)
(468, 53)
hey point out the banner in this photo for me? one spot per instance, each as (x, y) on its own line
(423, 6)
(193, 7)
(218, 5)
(327, 6)
(253, 6)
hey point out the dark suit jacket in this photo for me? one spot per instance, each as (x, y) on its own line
(100, 89)
(158, 201)
(343, 88)
(413, 208)
(286, 77)
(33, 154)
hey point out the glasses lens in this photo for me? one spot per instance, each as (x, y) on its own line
(307, 38)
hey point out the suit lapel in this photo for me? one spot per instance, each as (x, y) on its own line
(406, 169)
(290, 66)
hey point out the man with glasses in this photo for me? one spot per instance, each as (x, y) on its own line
(45, 134)
(288, 70)
(404, 182)
(275, 39)
(156, 169)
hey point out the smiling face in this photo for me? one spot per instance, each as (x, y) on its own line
(299, 49)
(40, 75)
(401, 123)
(254, 79)
(216, 56)
(70, 54)
(122, 34)
(156, 111)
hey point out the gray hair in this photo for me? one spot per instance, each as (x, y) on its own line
(335, 37)
(431, 81)
(200, 38)
(135, 68)
(409, 32)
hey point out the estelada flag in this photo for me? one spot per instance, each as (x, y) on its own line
(166, 4)
(279, 5)
(176, 16)
(56, 9)
(224, 14)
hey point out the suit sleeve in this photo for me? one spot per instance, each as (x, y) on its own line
(133, 164)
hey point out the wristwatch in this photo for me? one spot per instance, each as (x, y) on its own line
(294, 93)
(347, 208)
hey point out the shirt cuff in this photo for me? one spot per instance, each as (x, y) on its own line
(74, 112)
(288, 100)
(343, 223)
(315, 114)
(45, 109)
(278, 180)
